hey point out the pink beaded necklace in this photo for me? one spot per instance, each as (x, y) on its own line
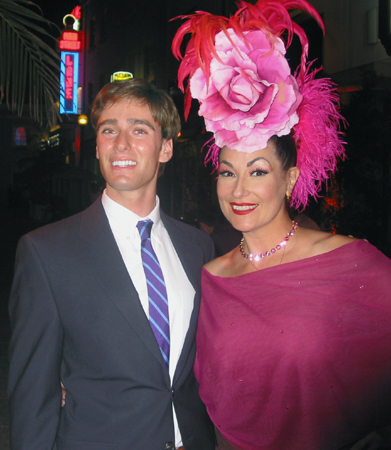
(251, 256)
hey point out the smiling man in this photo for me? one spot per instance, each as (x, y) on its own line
(130, 147)
(106, 302)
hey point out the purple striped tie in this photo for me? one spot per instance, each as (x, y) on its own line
(157, 294)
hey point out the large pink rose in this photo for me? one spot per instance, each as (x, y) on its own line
(251, 94)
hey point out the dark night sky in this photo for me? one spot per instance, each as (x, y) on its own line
(55, 10)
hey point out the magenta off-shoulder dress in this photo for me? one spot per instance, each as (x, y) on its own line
(298, 356)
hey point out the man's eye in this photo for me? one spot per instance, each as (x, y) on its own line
(107, 131)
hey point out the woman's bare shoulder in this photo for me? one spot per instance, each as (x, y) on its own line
(330, 241)
(211, 265)
(221, 265)
(322, 242)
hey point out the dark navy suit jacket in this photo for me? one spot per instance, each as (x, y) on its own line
(76, 317)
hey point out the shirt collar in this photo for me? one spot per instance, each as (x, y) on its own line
(122, 219)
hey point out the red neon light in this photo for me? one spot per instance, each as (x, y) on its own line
(348, 89)
(77, 140)
(70, 36)
(77, 12)
(72, 46)
(68, 77)
(70, 40)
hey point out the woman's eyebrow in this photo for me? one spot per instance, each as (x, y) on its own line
(250, 163)
(226, 162)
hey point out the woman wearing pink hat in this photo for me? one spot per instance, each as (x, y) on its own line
(294, 337)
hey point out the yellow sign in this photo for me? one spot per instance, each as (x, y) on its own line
(121, 76)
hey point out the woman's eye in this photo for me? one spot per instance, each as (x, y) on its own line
(259, 172)
(225, 173)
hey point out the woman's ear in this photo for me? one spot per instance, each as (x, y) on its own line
(292, 176)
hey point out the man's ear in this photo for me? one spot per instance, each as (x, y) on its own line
(166, 151)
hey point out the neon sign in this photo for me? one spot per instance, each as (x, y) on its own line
(76, 16)
(70, 40)
(70, 44)
(120, 76)
(69, 82)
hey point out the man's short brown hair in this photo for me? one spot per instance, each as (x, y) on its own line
(160, 103)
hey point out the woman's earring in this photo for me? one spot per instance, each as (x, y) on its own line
(288, 196)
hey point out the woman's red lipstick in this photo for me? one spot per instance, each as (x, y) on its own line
(241, 209)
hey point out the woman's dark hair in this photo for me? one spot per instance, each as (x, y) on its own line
(285, 150)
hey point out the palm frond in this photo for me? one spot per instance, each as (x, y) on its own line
(29, 67)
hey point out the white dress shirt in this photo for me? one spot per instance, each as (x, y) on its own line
(180, 292)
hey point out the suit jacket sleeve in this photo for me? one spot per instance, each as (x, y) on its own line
(35, 354)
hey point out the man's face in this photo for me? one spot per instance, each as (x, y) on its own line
(130, 147)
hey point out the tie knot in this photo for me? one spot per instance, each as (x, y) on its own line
(144, 228)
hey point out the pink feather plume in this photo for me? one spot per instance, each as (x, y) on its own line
(318, 137)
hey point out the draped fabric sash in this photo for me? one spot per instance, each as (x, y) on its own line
(297, 356)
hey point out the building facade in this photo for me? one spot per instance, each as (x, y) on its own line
(136, 38)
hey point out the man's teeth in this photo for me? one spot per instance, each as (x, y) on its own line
(123, 163)
(243, 207)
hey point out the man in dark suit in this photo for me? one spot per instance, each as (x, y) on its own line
(81, 308)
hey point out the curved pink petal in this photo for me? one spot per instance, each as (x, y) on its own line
(251, 94)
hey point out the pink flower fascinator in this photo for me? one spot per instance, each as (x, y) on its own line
(238, 72)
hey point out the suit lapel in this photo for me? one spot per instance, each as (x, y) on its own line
(104, 258)
(186, 249)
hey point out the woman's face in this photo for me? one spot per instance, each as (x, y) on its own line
(252, 187)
